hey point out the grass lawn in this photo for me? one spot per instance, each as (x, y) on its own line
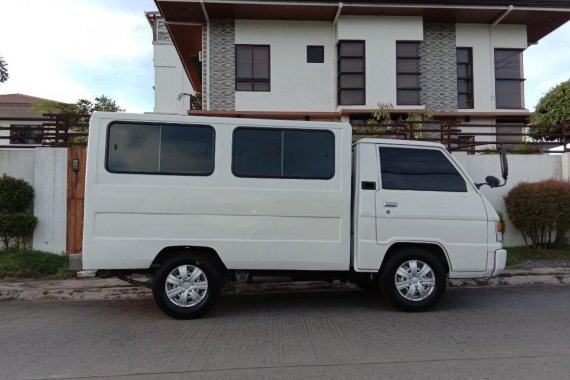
(34, 264)
(517, 254)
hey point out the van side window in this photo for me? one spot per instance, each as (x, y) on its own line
(419, 170)
(173, 149)
(283, 153)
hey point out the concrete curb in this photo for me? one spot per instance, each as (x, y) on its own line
(113, 289)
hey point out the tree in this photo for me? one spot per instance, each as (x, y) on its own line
(552, 110)
(76, 116)
(3, 70)
(82, 107)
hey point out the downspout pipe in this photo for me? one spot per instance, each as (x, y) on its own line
(492, 51)
(334, 99)
(205, 11)
(502, 17)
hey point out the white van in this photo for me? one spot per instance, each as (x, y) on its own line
(195, 201)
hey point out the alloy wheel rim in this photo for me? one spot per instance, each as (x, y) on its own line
(186, 285)
(415, 280)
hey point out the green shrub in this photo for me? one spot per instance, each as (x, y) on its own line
(19, 226)
(16, 195)
(541, 211)
(34, 264)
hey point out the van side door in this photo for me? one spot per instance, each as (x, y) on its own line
(423, 197)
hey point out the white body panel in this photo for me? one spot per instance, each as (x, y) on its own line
(278, 224)
(462, 224)
(251, 223)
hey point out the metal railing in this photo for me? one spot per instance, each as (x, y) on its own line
(473, 138)
(63, 130)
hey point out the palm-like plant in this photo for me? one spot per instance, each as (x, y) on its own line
(3, 70)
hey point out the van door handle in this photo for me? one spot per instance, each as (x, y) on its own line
(390, 204)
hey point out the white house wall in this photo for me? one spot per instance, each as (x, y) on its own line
(295, 84)
(170, 80)
(298, 86)
(380, 35)
(483, 40)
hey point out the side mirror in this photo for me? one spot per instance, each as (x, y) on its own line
(492, 181)
(504, 164)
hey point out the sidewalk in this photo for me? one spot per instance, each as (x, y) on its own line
(113, 289)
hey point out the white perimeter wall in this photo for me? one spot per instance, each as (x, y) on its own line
(522, 168)
(295, 84)
(46, 170)
(483, 40)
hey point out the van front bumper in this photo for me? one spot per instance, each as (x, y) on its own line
(500, 261)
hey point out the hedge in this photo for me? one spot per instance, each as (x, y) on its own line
(541, 211)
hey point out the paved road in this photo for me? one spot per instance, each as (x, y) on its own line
(478, 333)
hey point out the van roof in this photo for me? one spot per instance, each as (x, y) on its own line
(154, 117)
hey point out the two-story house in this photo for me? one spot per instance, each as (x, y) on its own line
(335, 60)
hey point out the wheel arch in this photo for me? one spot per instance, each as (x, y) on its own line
(434, 248)
(205, 252)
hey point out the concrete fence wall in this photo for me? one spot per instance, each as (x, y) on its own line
(46, 170)
(522, 168)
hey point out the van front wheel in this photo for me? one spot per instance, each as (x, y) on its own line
(186, 286)
(413, 279)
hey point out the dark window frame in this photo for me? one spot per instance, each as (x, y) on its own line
(310, 59)
(400, 88)
(520, 79)
(340, 73)
(108, 137)
(252, 80)
(451, 164)
(237, 129)
(468, 79)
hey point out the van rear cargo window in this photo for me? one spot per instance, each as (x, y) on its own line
(174, 149)
(283, 153)
(418, 169)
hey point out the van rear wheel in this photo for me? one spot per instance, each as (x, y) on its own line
(186, 286)
(413, 279)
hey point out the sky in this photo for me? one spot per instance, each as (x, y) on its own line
(65, 50)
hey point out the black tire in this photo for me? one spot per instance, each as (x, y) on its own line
(404, 258)
(210, 274)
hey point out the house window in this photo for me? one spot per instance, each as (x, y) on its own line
(351, 74)
(465, 78)
(252, 68)
(509, 79)
(283, 153)
(315, 54)
(408, 73)
(418, 170)
(173, 149)
(26, 134)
